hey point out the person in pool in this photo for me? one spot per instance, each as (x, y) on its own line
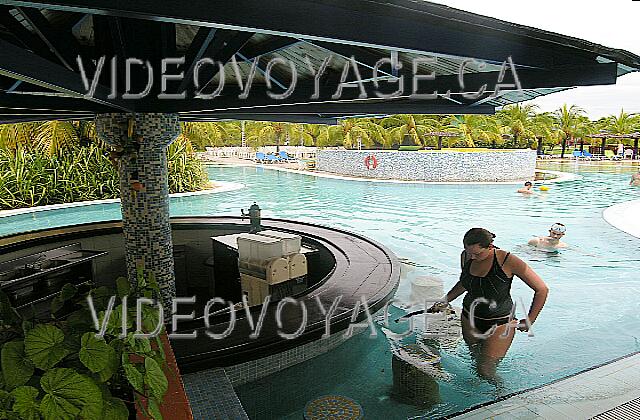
(527, 188)
(556, 232)
(488, 326)
(635, 179)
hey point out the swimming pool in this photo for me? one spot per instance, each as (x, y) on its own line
(591, 316)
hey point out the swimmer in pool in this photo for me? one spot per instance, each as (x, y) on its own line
(556, 232)
(527, 188)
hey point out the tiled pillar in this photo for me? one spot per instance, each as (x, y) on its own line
(142, 140)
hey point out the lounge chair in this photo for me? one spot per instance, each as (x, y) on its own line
(285, 156)
(273, 159)
(577, 154)
(588, 155)
(628, 153)
(608, 154)
(260, 157)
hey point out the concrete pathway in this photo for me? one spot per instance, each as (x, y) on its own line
(624, 216)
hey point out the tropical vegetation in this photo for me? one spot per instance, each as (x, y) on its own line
(59, 368)
(515, 126)
(62, 161)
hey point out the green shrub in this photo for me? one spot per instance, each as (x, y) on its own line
(59, 369)
(31, 178)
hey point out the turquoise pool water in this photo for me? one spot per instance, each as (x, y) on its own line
(591, 316)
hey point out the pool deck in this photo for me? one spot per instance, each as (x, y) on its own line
(219, 187)
(581, 396)
(623, 216)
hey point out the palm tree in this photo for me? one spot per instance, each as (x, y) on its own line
(519, 119)
(53, 137)
(308, 134)
(406, 126)
(263, 133)
(568, 122)
(622, 124)
(20, 135)
(438, 125)
(542, 128)
(203, 134)
(354, 132)
(474, 128)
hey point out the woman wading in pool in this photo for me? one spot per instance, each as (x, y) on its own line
(488, 326)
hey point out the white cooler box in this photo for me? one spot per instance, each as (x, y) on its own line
(292, 243)
(259, 248)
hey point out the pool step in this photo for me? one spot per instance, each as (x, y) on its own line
(212, 396)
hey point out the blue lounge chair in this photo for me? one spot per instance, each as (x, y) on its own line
(577, 154)
(285, 156)
(260, 157)
(273, 159)
(588, 155)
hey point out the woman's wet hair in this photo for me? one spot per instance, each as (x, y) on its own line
(479, 236)
(526, 184)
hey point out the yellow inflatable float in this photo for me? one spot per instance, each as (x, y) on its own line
(544, 188)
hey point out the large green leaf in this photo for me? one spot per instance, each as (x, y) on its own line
(139, 346)
(155, 378)
(80, 320)
(100, 297)
(135, 377)
(16, 367)
(150, 318)
(123, 287)
(68, 292)
(154, 409)
(114, 327)
(5, 400)
(45, 346)
(26, 403)
(115, 409)
(69, 395)
(8, 315)
(95, 353)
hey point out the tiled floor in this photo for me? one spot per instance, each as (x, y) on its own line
(578, 397)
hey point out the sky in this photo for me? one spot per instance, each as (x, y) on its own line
(612, 23)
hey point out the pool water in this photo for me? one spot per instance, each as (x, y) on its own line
(591, 315)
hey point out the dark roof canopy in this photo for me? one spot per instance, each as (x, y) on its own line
(40, 42)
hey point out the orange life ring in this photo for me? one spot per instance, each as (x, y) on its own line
(371, 162)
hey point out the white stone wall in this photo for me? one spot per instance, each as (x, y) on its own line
(448, 166)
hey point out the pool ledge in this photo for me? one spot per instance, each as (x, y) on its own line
(221, 187)
(623, 216)
(594, 391)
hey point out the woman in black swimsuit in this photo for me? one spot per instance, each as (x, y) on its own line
(488, 326)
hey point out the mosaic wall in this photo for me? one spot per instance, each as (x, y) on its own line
(144, 191)
(256, 369)
(431, 166)
(224, 403)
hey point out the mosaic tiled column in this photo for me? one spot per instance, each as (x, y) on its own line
(144, 192)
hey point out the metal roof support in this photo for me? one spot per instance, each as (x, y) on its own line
(28, 67)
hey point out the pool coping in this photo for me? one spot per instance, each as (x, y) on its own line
(224, 186)
(621, 216)
(561, 176)
(479, 410)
